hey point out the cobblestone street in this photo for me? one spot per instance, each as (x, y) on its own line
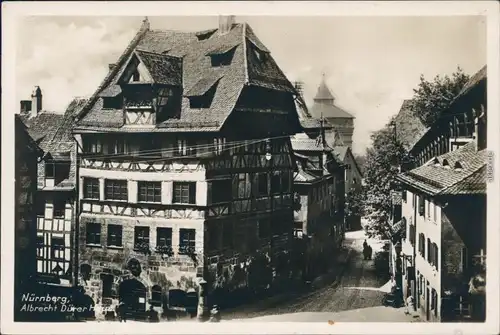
(356, 296)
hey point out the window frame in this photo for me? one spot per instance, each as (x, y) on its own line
(260, 183)
(95, 234)
(114, 185)
(177, 199)
(58, 212)
(118, 235)
(187, 245)
(89, 185)
(168, 238)
(143, 191)
(50, 166)
(57, 247)
(141, 238)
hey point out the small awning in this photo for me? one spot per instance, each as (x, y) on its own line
(220, 50)
(204, 84)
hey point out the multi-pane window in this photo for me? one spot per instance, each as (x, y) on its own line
(429, 251)
(115, 190)
(184, 193)
(93, 146)
(93, 233)
(163, 237)
(421, 244)
(141, 237)
(219, 145)
(50, 170)
(262, 184)
(117, 146)
(91, 188)
(187, 241)
(57, 248)
(115, 235)
(184, 148)
(149, 191)
(59, 207)
(403, 195)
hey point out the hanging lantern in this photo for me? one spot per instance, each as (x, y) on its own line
(268, 150)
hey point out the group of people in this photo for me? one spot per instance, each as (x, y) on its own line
(367, 250)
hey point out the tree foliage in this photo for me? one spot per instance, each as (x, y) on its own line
(382, 162)
(431, 98)
(354, 203)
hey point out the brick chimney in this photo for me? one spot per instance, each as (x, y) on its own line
(25, 107)
(225, 24)
(36, 101)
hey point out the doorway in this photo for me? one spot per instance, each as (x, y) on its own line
(132, 294)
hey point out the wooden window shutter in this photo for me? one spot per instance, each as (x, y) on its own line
(192, 193)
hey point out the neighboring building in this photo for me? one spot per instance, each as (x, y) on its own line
(341, 121)
(319, 197)
(55, 199)
(353, 175)
(27, 154)
(442, 197)
(352, 184)
(185, 168)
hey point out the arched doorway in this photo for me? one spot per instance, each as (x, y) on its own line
(132, 293)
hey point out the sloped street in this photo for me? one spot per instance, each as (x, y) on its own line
(356, 296)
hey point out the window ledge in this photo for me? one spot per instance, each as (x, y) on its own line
(116, 200)
(116, 247)
(182, 204)
(94, 245)
(149, 203)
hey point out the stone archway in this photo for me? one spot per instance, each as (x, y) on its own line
(133, 294)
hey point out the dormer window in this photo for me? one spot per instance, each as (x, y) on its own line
(222, 56)
(261, 56)
(458, 166)
(205, 35)
(446, 164)
(436, 162)
(203, 92)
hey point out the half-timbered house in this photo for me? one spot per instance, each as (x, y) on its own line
(319, 196)
(55, 197)
(444, 208)
(185, 167)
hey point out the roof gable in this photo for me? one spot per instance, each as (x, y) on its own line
(409, 127)
(324, 92)
(198, 75)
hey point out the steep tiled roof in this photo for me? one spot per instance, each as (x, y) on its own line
(62, 141)
(307, 121)
(409, 128)
(164, 69)
(453, 172)
(473, 81)
(43, 127)
(247, 67)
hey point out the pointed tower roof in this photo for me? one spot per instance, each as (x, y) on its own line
(324, 94)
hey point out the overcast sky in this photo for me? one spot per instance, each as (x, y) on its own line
(372, 63)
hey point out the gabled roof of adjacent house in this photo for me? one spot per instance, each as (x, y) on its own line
(458, 172)
(304, 177)
(21, 127)
(341, 151)
(42, 127)
(301, 142)
(409, 128)
(307, 121)
(252, 64)
(62, 141)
